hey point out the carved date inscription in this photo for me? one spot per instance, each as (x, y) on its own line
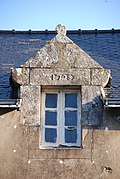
(62, 77)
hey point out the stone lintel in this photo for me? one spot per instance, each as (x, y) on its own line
(59, 76)
(41, 76)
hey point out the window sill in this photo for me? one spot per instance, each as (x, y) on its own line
(61, 148)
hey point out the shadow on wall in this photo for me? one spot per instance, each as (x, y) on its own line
(93, 115)
(111, 119)
(5, 110)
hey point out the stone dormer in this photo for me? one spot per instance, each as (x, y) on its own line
(61, 63)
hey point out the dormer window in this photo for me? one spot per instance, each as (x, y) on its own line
(61, 118)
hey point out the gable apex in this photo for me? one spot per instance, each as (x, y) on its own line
(61, 52)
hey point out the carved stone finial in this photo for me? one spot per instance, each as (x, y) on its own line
(61, 29)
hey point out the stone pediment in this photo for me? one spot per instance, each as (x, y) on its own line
(61, 62)
(62, 53)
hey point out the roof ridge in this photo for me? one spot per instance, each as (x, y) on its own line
(46, 31)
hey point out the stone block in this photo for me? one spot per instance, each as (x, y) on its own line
(100, 77)
(92, 108)
(30, 108)
(45, 57)
(21, 75)
(59, 76)
(78, 58)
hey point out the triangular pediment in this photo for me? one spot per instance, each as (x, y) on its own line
(62, 53)
(61, 62)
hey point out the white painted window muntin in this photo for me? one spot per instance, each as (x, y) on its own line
(43, 126)
(78, 127)
(60, 118)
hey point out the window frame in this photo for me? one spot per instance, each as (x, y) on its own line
(60, 141)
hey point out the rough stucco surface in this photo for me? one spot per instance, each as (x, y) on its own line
(20, 156)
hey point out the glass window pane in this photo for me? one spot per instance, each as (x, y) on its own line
(71, 135)
(50, 135)
(51, 101)
(70, 118)
(71, 100)
(50, 118)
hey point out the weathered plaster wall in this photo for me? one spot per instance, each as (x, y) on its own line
(20, 156)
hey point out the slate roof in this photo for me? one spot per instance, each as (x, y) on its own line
(17, 47)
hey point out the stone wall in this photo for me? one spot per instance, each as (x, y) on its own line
(60, 63)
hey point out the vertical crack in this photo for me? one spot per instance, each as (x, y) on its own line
(28, 133)
(92, 147)
(90, 76)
